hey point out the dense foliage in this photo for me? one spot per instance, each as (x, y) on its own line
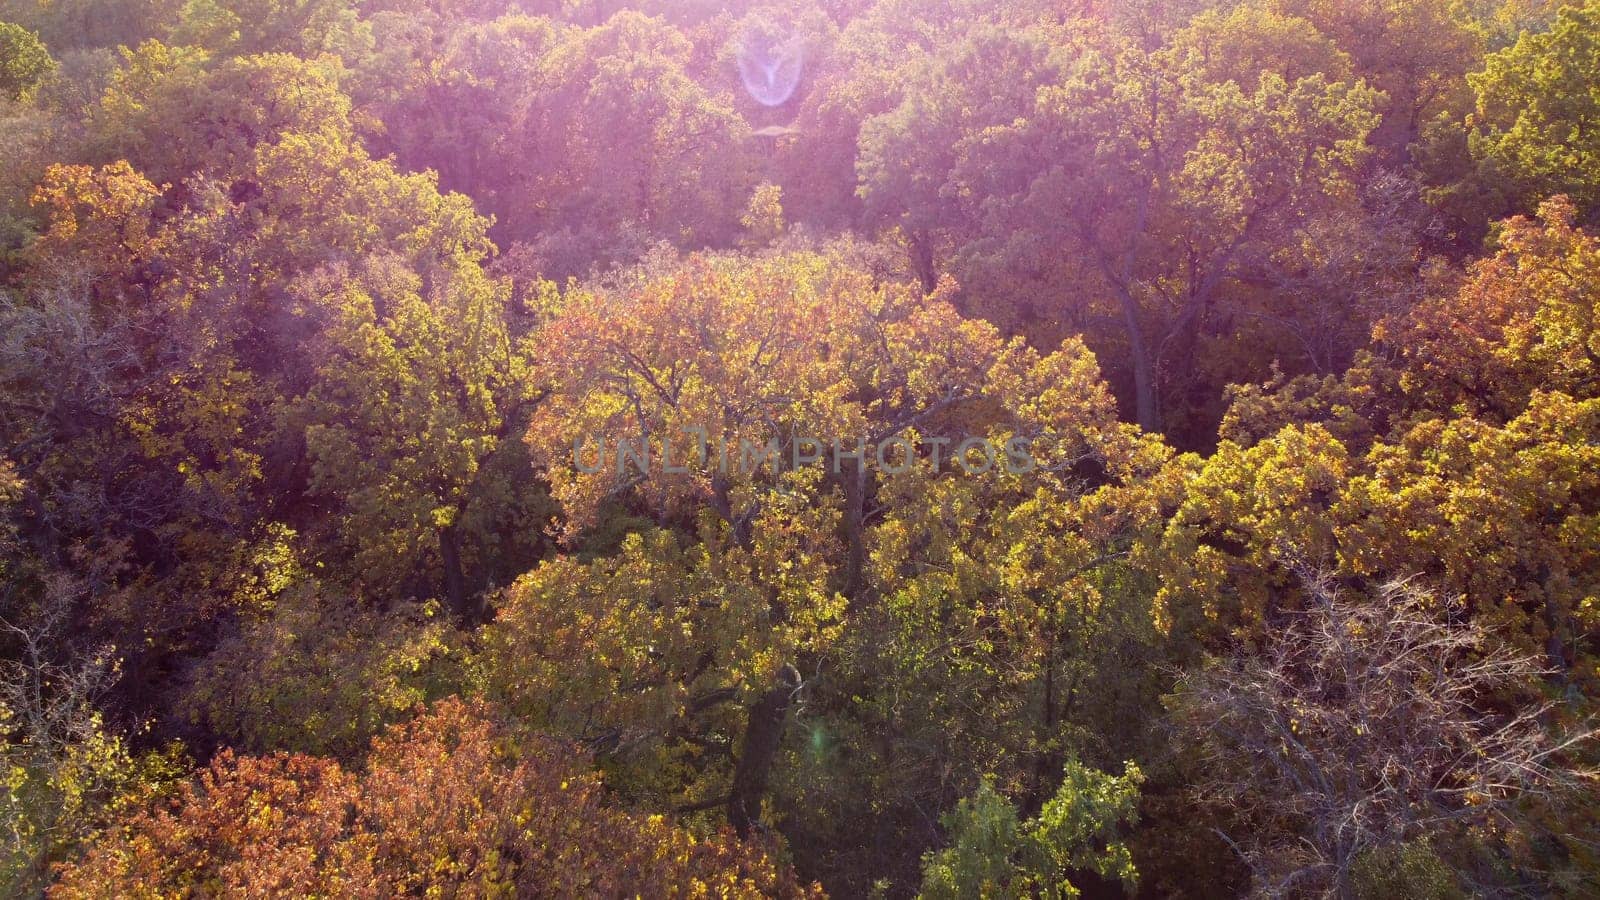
(865, 447)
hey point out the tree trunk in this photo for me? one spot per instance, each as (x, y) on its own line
(854, 476)
(1042, 764)
(455, 583)
(761, 738)
(1147, 404)
(921, 245)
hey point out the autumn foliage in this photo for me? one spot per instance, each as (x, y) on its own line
(890, 447)
(447, 803)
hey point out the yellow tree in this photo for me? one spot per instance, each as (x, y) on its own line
(217, 331)
(1533, 131)
(1463, 455)
(685, 398)
(173, 113)
(817, 469)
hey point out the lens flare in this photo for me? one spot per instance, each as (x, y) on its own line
(771, 66)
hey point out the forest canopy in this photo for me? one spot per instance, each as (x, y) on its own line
(867, 448)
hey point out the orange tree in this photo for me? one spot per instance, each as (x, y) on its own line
(453, 802)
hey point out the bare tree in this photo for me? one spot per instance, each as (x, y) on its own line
(1365, 723)
(58, 760)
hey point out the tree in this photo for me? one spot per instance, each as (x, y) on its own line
(448, 803)
(1499, 515)
(1521, 321)
(1170, 188)
(70, 25)
(1534, 129)
(1416, 52)
(1253, 39)
(1363, 724)
(738, 577)
(745, 559)
(992, 854)
(210, 335)
(30, 140)
(417, 368)
(65, 771)
(763, 216)
(1005, 591)
(1141, 167)
(24, 61)
(241, 27)
(321, 674)
(1480, 343)
(986, 80)
(174, 113)
(450, 94)
(69, 364)
(1459, 450)
(588, 143)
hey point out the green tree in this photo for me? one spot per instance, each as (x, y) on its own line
(986, 80)
(173, 114)
(1536, 129)
(1253, 39)
(1417, 53)
(587, 143)
(415, 368)
(993, 854)
(68, 25)
(24, 61)
(243, 27)
(322, 674)
(1169, 188)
